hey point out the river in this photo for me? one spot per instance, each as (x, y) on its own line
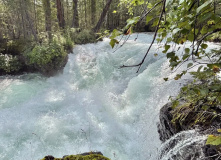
(92, 106)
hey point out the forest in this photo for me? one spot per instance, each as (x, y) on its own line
(110, 54)
(26, 26)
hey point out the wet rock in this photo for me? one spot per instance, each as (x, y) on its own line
(165, 128)
(211, 152)
(83, 156)
(176, 145)
(49, 157)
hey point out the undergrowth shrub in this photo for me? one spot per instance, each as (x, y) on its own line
(83, 37)
(64, 39)
(198, 103)
(13, 47)
(46, 58)
(9, 63)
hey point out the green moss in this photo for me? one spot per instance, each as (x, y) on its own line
(79, 157)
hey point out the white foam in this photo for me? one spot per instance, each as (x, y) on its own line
(92, 106)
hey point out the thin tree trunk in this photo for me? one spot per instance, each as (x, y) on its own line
(47, 10)
(75, 22)
(67, 13)
(103, 15)
(36, 21)
(85, 13)
(23, 21)
(31, 25)
(60, 14)
(93, 12)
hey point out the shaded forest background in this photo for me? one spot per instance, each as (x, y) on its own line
(36, 35)
(29, 19)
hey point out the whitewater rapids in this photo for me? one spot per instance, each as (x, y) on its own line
(92, 106)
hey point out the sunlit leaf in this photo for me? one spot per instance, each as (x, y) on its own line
(113, 42)
(148, 19)
(213, 140)
(149, 5)
(204, 46)
(189, 65)
(203, 5)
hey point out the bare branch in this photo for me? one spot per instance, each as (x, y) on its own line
(209, 33)
(150, 10)
(155, 34)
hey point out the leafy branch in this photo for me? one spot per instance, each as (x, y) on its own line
(155, 34)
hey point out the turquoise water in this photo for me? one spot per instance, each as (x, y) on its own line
(92, 106)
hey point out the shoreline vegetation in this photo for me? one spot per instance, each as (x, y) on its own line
(48, 58)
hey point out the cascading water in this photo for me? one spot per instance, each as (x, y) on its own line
(92, 106)
(186, 145)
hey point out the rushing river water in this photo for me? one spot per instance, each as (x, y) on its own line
(92, 106)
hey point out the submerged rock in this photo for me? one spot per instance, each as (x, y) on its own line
(83, 156)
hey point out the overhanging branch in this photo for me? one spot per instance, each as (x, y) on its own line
(155, 34)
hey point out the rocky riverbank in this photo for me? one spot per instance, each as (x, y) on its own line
(190, 139)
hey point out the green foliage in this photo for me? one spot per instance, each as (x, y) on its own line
(13, 47)
(68, 43)
(200, 100)
(46, 58)
(9, 63)
(214, 140)
(132, 21)
(83, 37)
(216, 37)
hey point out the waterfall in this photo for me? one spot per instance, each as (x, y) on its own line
(92, 106)
(185, 145)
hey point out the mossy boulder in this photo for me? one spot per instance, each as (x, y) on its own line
(84, 156)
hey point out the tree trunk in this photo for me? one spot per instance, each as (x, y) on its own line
(85, 13)
(75, 22)
(31, 25)
(67, 13)
(93, 12)
(103, 14)
(36, 21)
(23, 20)
(47, 10)
(60, 14)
